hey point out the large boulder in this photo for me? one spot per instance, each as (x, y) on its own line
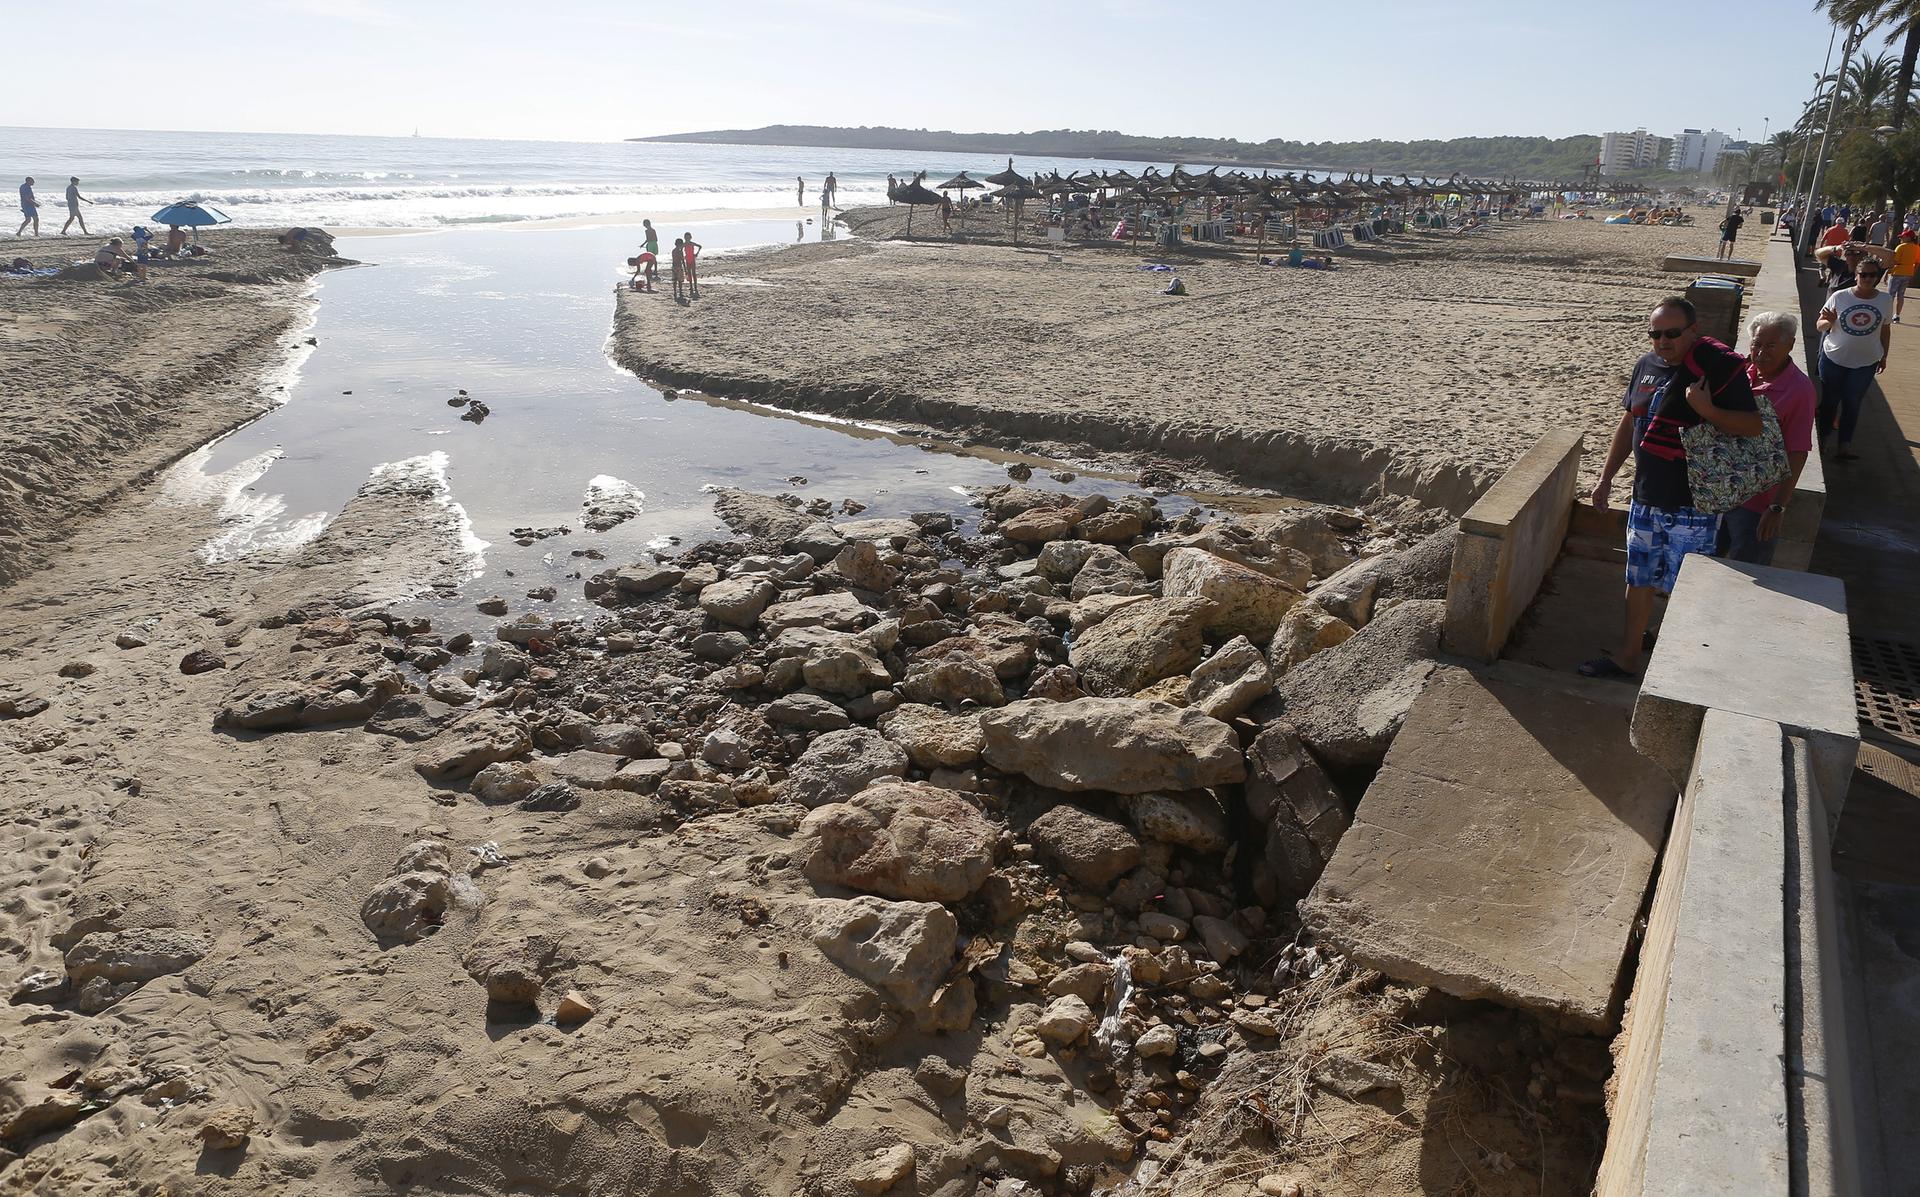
(1005, 502)
(737, 602)
(758, 515)
(1040, 525)
(1231, 541)
(1108, 571)
(951, 681)
(471, 744)
(1120, 745)
(902, 949)
(901, 840)
(837, 609)
(1316, 532)
(1349, 595)
(1348, 702)
(644, 578)
(932, 738)
(1062, 559)
(1231, 680)
(841, 763)
(859, 563)
(846, 666)
(1193, 821)
(1091, 850)
(1301, 815)
(1246, 602)
(1137, 645)
(1308, 628)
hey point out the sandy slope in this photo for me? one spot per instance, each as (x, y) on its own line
(106, 381)
(1420, 367)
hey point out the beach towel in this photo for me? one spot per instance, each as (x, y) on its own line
(31, 272)
(1153, 266)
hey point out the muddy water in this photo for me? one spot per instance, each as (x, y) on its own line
(519, 320)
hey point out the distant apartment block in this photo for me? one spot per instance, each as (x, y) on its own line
(1694, 150)
(1628, 151)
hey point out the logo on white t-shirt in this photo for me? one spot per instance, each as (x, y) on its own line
(1860, 319)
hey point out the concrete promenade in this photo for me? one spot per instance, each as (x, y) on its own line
(1870, 539)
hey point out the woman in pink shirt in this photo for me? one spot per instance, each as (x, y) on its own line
(1749, 532)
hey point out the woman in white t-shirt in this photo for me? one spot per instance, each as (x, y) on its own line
(1856, 332)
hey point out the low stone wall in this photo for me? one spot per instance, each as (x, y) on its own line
(1506, 543)
(1732, 1065)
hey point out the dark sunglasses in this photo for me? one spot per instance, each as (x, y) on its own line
(1667, 334)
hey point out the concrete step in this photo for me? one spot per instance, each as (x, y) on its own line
(1595, 549)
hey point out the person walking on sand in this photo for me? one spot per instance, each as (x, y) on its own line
(1729, 231)
(1686, 380)
(800, 183)
(893, 185)
(29, 209)
(691, 249)
(679, 272)
(74, 200)
(1856, 327)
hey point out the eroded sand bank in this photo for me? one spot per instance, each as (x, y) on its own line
(107, 380)
(1421, 366)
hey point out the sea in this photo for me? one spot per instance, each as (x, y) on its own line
(287, 179)
(467, 288)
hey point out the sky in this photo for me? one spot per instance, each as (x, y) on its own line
(608, 69)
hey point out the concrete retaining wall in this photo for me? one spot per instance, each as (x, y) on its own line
(1732, 1070)
(1506, 543)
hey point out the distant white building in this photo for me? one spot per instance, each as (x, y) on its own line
(1697, 151)
(1628, 151)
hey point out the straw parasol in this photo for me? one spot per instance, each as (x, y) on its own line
(915, 194)
(1016, 195)
(961, 183)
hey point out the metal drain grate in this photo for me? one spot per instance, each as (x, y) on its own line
(1886, 685)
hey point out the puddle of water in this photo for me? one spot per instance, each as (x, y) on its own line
(519, 321)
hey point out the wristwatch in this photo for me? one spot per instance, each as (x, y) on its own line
(1776, 508)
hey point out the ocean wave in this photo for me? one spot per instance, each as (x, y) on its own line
(328, 195)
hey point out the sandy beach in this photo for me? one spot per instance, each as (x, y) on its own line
(109, 380)
(316, 895)
(1422, 366)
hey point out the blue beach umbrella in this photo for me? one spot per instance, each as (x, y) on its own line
(191, 215)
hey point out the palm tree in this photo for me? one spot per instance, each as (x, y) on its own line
(1897, 16)
(1868, 84)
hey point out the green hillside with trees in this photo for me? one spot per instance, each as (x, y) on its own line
(1533, 157)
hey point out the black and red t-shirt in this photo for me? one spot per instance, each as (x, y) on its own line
(1656, 395)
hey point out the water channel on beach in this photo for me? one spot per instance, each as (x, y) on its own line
(519, 320)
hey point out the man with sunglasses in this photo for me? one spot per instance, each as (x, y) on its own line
(1685, 380)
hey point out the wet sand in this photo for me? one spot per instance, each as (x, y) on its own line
(108, 380)
(1422, 366)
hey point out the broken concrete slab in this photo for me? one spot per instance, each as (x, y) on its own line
(1503, 850)
(1752, 640)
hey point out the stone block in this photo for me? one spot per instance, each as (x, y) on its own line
(1754, 640)
(1503, 850)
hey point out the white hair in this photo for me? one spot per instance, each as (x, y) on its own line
(1780, 320)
